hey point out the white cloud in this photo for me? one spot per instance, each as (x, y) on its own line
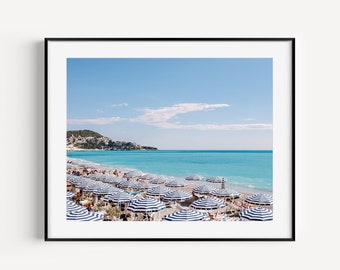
(167, 125)
(248, 119)
(124, 104)
(161, 118)
(163, 115)
(94, 121)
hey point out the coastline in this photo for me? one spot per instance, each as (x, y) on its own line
(122, 169)
(94, 174)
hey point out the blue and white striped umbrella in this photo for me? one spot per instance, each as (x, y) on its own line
(175, 183)
(158, 191)
(69, 195)
(149, 176)
(144, 186)
(73, 179)
(146, 205)
(194, 177)
(186, 215)
(205, 189)
(216, 179)
(76, 180)
(261, 214)
(226, 193)
(133, 173)
(72, 206)
(177, 195)
(260, 199)
(83, 215)
(157, 181)
(121, 197)
(107, 190)
(118, 180)
(94, 188)
(207, 204)
(85, 183)
(128, 184)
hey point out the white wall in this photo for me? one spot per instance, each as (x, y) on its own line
(24, 25)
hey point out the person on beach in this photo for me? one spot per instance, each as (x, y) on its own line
(89, 207)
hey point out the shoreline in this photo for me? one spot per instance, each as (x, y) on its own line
(228, 185)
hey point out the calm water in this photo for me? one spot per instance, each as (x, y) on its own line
(249, 169)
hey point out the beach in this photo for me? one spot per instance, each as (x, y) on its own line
(81, 175)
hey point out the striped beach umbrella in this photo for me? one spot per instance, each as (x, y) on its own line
(94, 188)
(121, 197)
(72, 206)
(194, 177)
(146, 205)
(216, 179)
(186, 215)
(76, 180)
(261, 214)
(158, 191)
(117, 180)
(207, 204)
(260, 199)
(128, 184)
(85, 183)
(177, 195)
(203, 190)
(144, 186)
(149, 176)
(107, 190)
(175, 183)
(159, 180)
(226, 193)
(69, 195)
(83, 215)
(133, 174)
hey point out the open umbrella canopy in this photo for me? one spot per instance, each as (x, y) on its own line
(186, 215)
(177, 195)
(72, 206)
(85, 183)
(261, 214)
(121, 197)
(149, 176)
(69, 195)
(159, 180)
(194, 177)
(83, 215)
(146, 205)
(73, 179)
(117, 180)
(260, 199)
(158, 191)
(176, 183)
(226, 193)
(205, 189)
(128, 184)
(207, 204)
(216, 179)
(97, 187)
(107, 190)
(144, 186)
(133, 173)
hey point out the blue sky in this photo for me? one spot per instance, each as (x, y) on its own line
(173, 103)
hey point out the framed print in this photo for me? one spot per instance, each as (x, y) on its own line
(173, 139)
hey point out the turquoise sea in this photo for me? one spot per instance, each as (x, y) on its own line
(243, 169)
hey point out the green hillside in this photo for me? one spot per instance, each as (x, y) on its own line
(83, 133)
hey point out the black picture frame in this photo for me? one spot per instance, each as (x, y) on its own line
(49, 129)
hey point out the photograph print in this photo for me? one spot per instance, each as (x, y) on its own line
(170, 139)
